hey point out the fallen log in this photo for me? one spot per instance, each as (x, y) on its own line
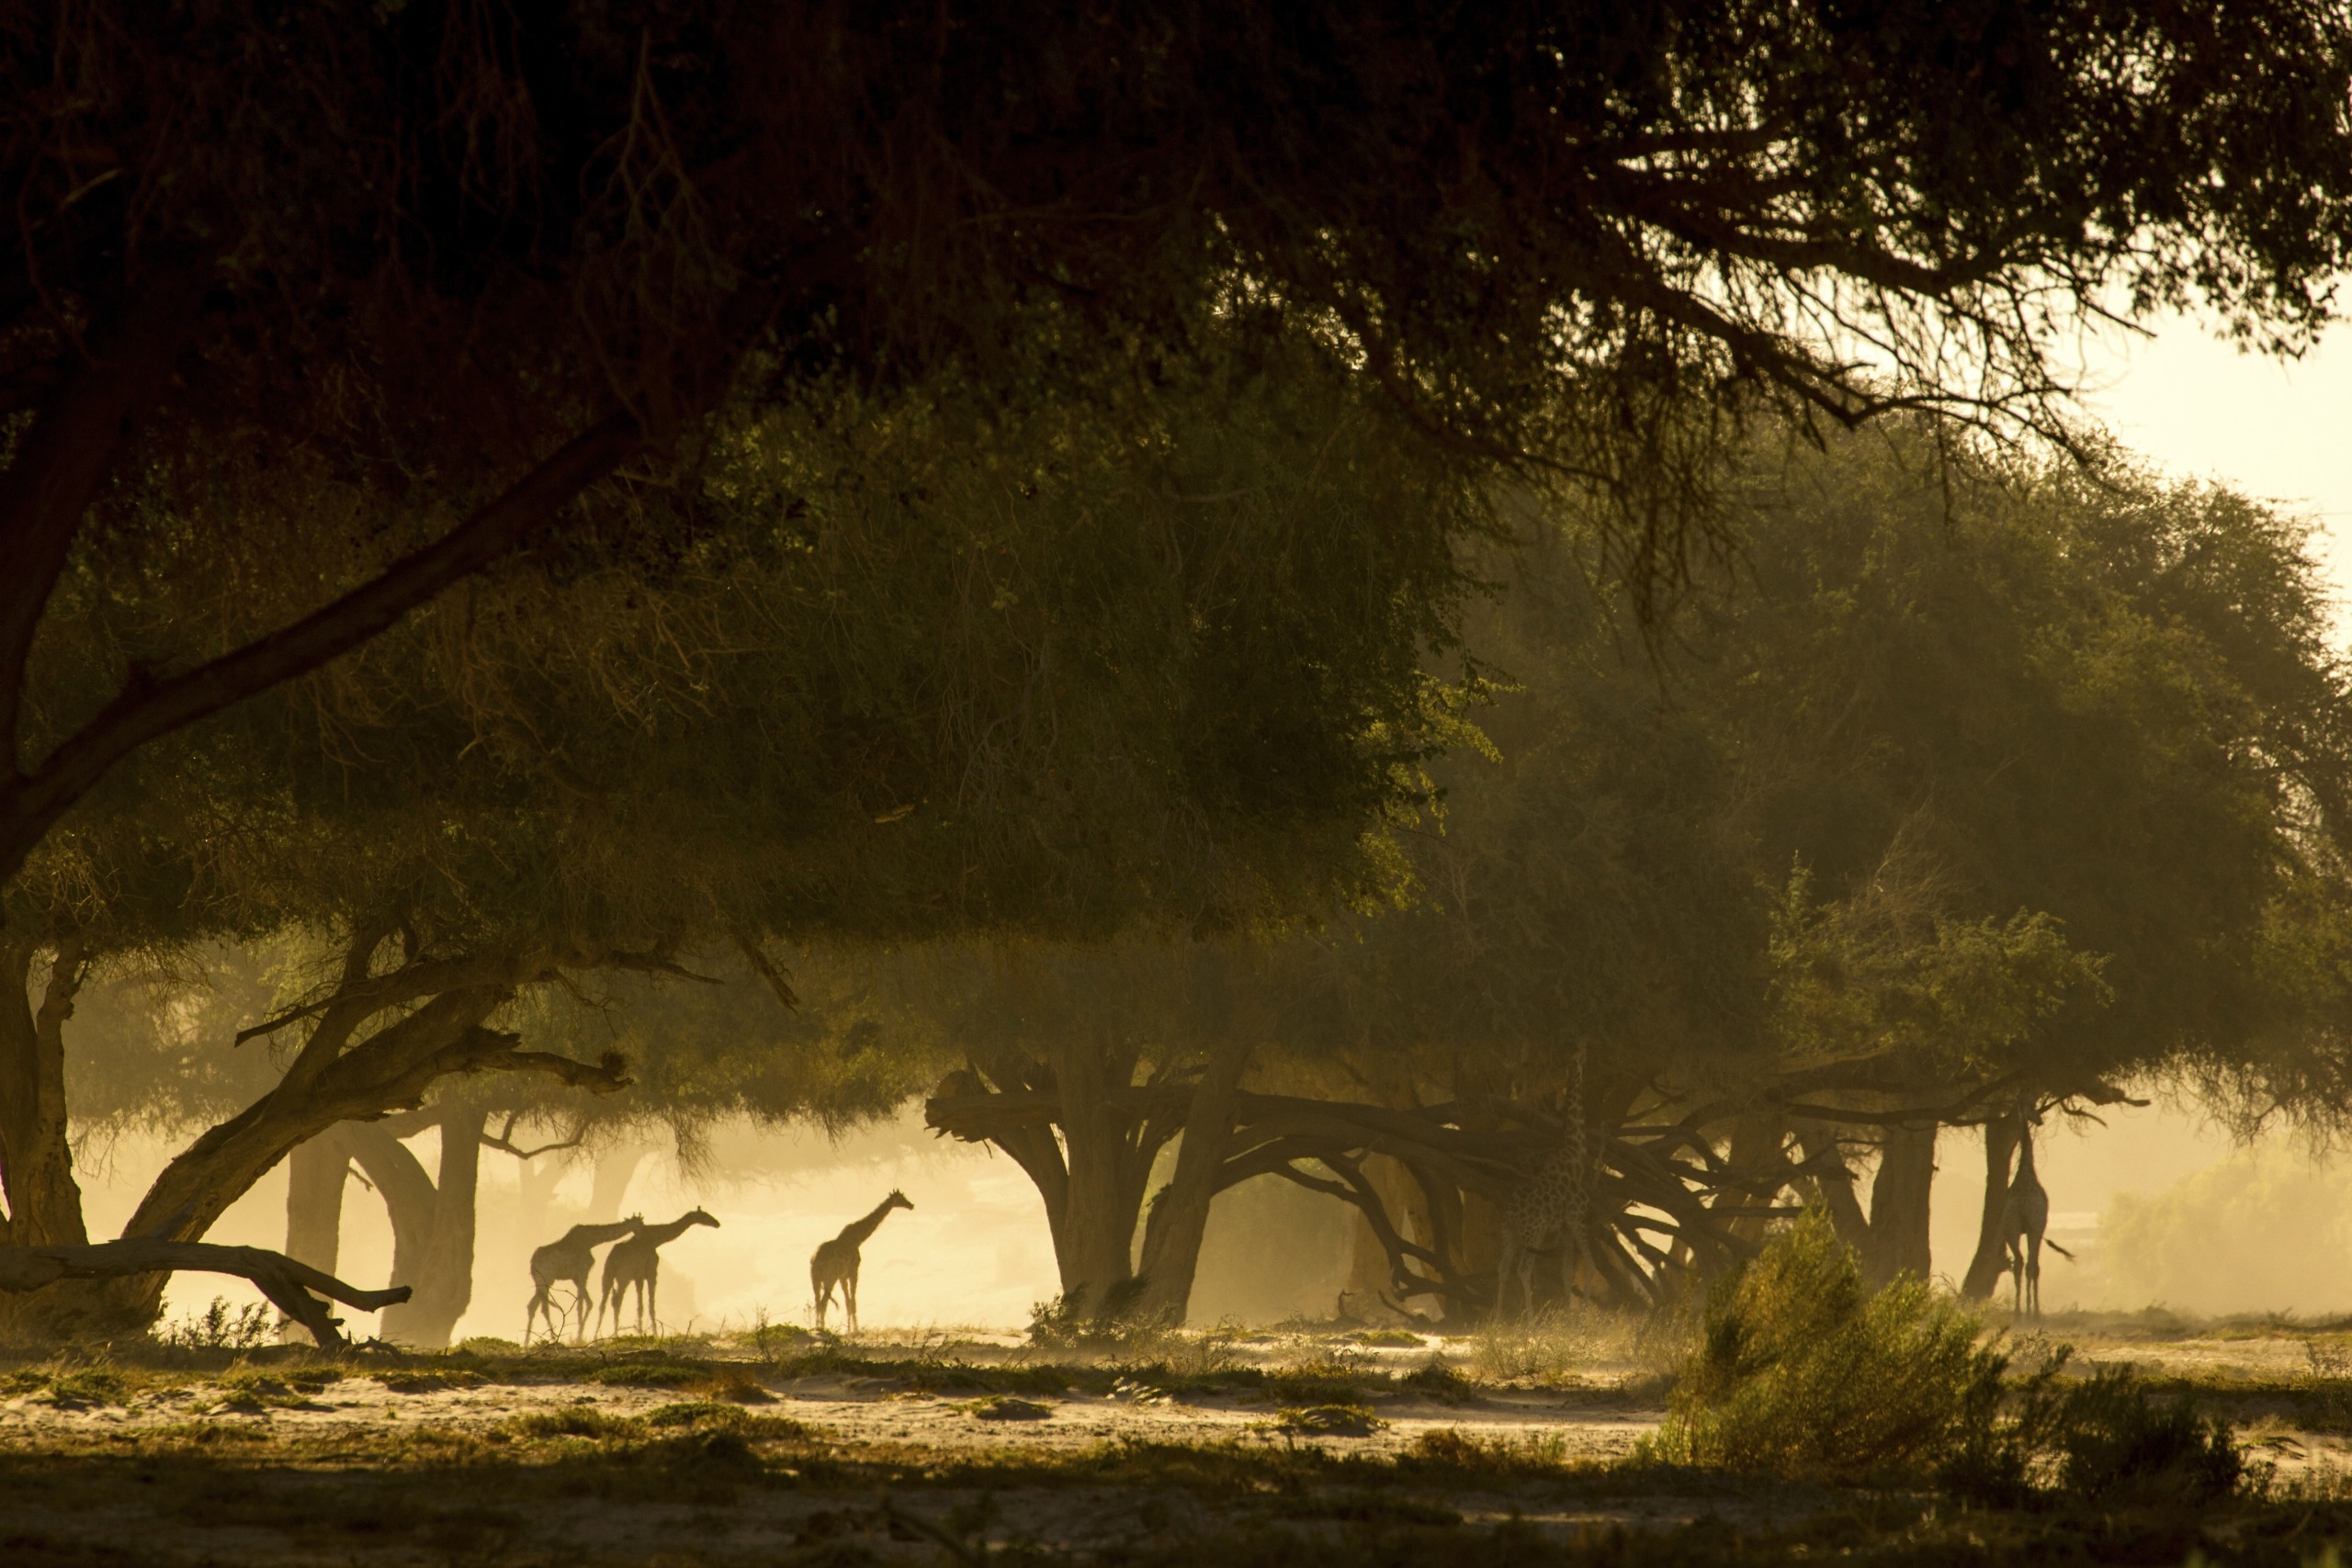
(289, 1284)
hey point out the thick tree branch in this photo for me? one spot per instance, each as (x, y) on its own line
(66, 456)
(145, 710)
(289, 1285)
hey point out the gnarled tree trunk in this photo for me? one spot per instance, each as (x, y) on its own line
(35, 1158)
(1179, 1212)
(1985, 1267)
(1899, 1206)
(432, 1221)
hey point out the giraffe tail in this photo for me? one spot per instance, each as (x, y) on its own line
(2060, 1251)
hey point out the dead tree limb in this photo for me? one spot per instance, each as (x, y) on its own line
(288, 1284)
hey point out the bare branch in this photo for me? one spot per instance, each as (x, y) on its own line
(289, 1285)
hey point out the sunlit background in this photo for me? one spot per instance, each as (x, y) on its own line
(2159, 1206)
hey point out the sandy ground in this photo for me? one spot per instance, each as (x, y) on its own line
(868, 1410)
(880, 1417)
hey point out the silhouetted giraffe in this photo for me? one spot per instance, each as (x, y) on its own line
(835, 1263)
(570, 1257)
(1549, 1208)
(638, 1261)
(2025, 1218)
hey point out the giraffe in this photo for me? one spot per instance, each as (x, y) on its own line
(569, 1257)
(835, 1263)
(1548, 1208)
(2025, 1216)
(638, 1261)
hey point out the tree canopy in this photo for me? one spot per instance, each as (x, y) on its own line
(459, 268)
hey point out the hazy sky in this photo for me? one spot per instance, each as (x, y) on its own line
(2201, 409)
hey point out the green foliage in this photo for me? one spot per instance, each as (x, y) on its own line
(1802, 1372)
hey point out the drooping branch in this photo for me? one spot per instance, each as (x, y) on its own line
(293, 1288)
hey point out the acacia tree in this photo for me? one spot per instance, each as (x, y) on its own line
(418, 280)
(1963, 791)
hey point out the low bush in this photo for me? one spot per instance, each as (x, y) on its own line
(1802, 1372)
(2108, 1439)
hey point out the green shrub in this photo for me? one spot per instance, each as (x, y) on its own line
(2106, 1439)
(1802, 1371)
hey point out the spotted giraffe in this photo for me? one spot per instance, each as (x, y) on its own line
(1548, 1209)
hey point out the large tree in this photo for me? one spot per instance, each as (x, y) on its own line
(1962, 790)
(417, 278)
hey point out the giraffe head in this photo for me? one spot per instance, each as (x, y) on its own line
(699, 1217)
(897, 1200)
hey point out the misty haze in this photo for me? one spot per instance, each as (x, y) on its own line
(1277, 785)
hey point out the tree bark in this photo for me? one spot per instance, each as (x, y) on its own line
(36, 1157)
(1179, 1212)
(1899, 1206)
(1985, 1267)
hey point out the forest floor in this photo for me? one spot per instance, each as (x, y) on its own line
(1297, 1448)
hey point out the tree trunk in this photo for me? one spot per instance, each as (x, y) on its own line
(1096, 1248)
(1837, 1188)
(36, 1157)
(1179, 1213)
(433, 1223)
(1370, 1288)
(1985, 1270)
(608, 1183)
(316, 1175)
(1899, 1203)
(1755, 1146)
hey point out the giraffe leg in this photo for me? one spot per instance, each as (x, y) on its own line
(653, 1299)
(2033, 1277)
(849, 1297)
(1506, 1268)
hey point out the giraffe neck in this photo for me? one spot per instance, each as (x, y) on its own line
(592, 1235)
(1570, 1153)
(2025, 1154)
(663, 1235)
(857, 1230)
